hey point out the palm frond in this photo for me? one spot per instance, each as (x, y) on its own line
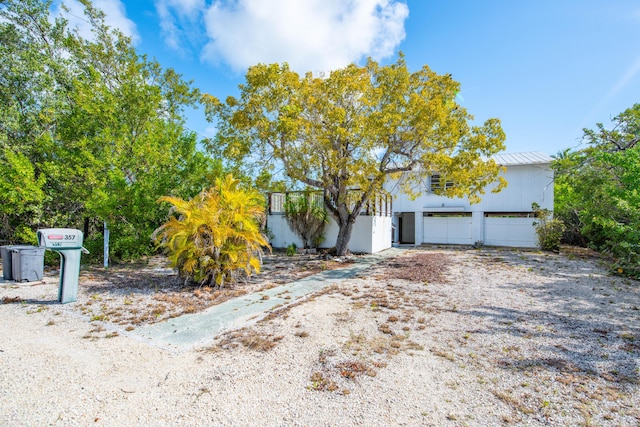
(217, 233)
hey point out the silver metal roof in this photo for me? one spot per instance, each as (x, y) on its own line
(528, 158)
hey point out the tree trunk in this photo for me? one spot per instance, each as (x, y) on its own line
(344, 235)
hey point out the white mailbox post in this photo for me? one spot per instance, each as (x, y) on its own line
(68, 243)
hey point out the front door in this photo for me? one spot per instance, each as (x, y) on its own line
(407, 227)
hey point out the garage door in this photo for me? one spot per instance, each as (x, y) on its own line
(513, 232)
(454, 228)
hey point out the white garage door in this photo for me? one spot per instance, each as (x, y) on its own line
(450, 228)
(513, 232)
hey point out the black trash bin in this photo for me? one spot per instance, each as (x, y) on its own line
(5, 254)
(27, 263)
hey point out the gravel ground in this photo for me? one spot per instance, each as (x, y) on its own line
(437, 336)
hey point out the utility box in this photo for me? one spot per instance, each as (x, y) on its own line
(27, 263)
(5, 254)
(7, 259)
(68, 243)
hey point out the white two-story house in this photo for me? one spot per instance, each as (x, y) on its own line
(500, 219)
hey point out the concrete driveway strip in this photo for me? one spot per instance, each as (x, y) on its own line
(197, 329)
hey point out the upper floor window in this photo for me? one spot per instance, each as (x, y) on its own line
(438, 183)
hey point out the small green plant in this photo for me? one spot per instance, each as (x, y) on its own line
(216, 235)
(548, 229)
(292, 249)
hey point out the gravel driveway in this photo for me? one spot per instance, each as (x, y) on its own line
(436, 336)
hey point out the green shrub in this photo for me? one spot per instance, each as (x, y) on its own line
(306, 217)
(292, 249)
(216, 235)
(548, 229)
(626, 260)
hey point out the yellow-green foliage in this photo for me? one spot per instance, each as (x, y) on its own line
(216, 235)
(353, 128)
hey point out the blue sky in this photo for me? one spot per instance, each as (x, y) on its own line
(546, 68)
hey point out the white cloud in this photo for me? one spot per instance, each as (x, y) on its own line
(115, 17)
(310, 35)
(180, 21)
(185, 8)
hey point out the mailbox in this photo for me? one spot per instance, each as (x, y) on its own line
(68, 243)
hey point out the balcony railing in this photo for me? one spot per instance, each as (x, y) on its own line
(378, 206)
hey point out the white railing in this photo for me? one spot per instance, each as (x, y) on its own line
(378, 206)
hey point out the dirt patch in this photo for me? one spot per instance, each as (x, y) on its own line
(417, 267)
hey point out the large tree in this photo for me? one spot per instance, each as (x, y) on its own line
(597, 190)
(346, 132)
(89, 131)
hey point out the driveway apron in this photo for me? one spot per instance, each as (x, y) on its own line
(197, 329)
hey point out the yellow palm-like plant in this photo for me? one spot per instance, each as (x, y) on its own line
(215, 236)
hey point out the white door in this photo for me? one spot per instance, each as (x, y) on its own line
(513, 232)
(450, 228)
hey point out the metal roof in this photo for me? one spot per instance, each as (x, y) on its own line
(528, 158)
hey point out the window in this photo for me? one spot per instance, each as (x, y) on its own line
(438, 183)
(447, 214)
(509, 215)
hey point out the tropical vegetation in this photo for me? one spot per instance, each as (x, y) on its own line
(90, 132)
(598, 191)
(548, 229)
(215, 238)
(307, 217)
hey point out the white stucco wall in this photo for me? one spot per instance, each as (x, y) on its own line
(370, 234)
(280, 235)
